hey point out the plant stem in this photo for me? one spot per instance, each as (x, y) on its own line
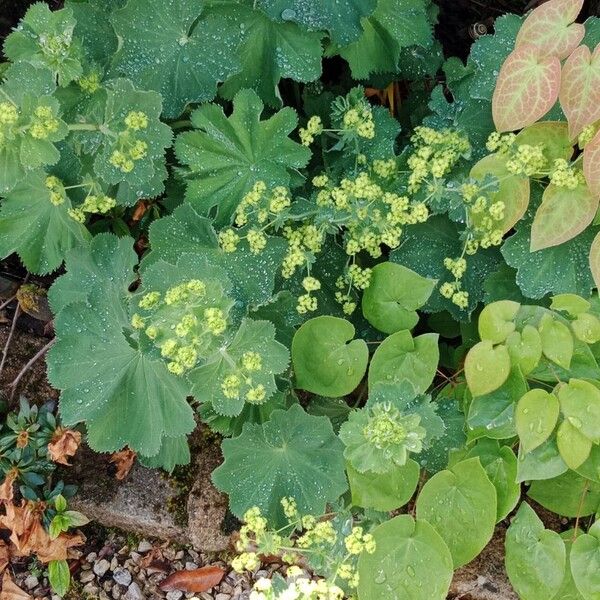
(29, 364)
(83, 127)
(10, 335)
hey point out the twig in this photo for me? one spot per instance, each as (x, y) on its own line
(29, 364)
(5, 304)
(10, 335)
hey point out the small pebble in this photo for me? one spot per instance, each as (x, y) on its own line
(122, 576)
(144, 546)
(91, 557)
(86, 576)
(134, 592)
(31, 581)
(190, 566)
(101, 567)
(174, 595)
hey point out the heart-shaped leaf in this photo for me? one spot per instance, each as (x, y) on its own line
(595, 260)
(535, 417)
(486, 367)
(591, 164)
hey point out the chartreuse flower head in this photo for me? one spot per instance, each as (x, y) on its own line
(185, 321)
(354, 116)
(379, 437)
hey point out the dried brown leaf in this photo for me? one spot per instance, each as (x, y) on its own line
(4, 556)
(196, 580)
(63, 445)
(123, 460)
(7, 488)
(10, 591)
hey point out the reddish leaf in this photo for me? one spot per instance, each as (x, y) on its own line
(562, 215)
(595, 260)
(63, 445)
(10, 591)
(551, 29)
(580, 89)
(123, 460)
(526, 89)
(591, 164)
(197, 580)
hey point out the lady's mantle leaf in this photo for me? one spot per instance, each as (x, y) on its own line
(167, 48)
(294, 454)
(341, 18)
(458, 500)
(40, 232)
(411, 561)
(535, 556)
(325, 361)
(226, 156)
(551, 30)
(526, 90)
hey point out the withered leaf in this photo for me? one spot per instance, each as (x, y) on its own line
(196, 580)
(4, 556)
(10, 591)
(123, 460)
(63, 445)
(7, 488)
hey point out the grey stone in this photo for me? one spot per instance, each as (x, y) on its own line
(101, 567)
(122, 577)
(87, 576)
(91, 589)
(31, 581)
(174, 595)
(144, 546)
(134, 592)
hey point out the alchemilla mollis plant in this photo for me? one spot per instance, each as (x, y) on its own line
(380, 310)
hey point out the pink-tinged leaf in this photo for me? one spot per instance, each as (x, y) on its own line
(551, 29)
(527, 88)
(562, 215)
(595, 260)
(513, 190)
(591, 164)
(195, 580)
(580, 89)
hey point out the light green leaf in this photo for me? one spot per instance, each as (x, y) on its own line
(552, 135)
(226, 156)
(568, 494)
(544, 462)
(400, 357)
(573, 446)
(458, 500)
(585, 563)
(557, 341)
(525, 348)
(386, 491)
(486, 367)
(407, 553)
(393, 296)
(500, 464)
(570, 303)
(496, 320)
(294, 455)
(535, 557)
(169, 48)
(325, 361)
(586, 328)
(59, 576)
(580, 404)
(39, 231)
(535, 417)
(395, 24)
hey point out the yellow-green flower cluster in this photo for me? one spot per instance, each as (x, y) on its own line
(240, 384)
(185, 322)
(354, 278)
(451, 290)
(385, 168)
(300, 589)
(359, 119)
(9, 115)
(307, 302)
(500, 143)
(44, 123)
(313, 127)
(56, 46)
(93, 204)
(566, 176)
(57, 190)
(90, 83)
(358, 541)
(303, 243)
(435, 154)
(526, 159)
(587, 135)
(130, 149)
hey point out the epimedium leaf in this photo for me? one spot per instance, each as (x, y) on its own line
(573, 446)
(552, 135)
(580, 404)
(527, 88)
(267, 50)
(253, 336)
(496, 320)
(400, 357)
(168, 48)
(568, 494)
(544, 462)
(500, 464)
(557, 341)
(525, 348)
(393, 296)
(457, 500)
(535, 417)
(384, 491)
(579, 89)
(594, 259)
(513, 190)
(342, 20)
(568, 589)
(486, 367)
(551, 29)
(591, 164)
(39, 231)
(570, 303)
(563, 214)
(226, 156)
(585, 562)
(327, 361)
(293, 454)
(407, 552)
(535, 557)
(394, 25)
